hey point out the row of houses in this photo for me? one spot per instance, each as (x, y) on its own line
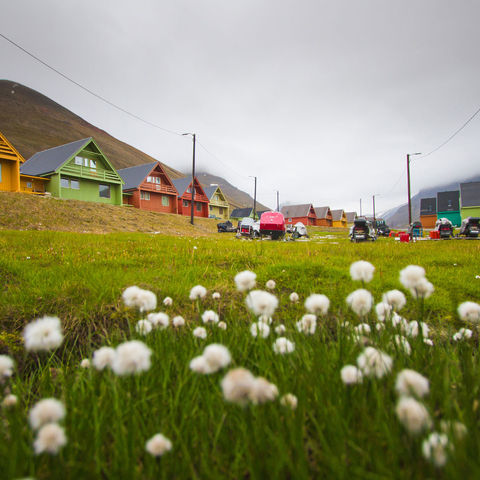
(80, 170)
(455, 205)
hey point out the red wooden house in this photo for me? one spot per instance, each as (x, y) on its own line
(324, 216)
(304, 213)
(148, 187)
(184, 200)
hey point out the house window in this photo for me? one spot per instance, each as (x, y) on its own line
(78, 160)
(199, 206)
(144, 195)
(93, 164)
(29, 185)
(75, 184)
(104, 191)
(185, 203)
(157, 180)
(165, 201)
(189, 189)
(64, 183)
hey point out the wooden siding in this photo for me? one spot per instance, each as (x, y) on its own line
(35, 185)
(470, 212)
(428, 221)
(10, 161)
(155, 204)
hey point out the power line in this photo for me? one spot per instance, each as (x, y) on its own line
(88, 90)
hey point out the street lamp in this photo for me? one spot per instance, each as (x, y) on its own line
(193, 178)
(408, 182)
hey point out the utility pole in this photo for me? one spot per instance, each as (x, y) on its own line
(278, 201)
(360, 207)
(408, 183)
(192, 206)
(374, 221)
(254, 198)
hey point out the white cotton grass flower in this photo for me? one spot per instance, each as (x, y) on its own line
(158, 445)
(317, 304)
(351, 375)
(43, 334)
(428, 341)
(289, 400)
(143, 327)
(282, 346)
(423, 289)
(262, 391)
(395, 298)
(178, 321)
(360, 301)
(294, 298)
(6, 367)
(261, 302)
(167, 301)
(435, 448)
(362, 271)
(9, 401)
(380, 326)
(216, 296)
(209, 316)
(46, 411)
(280, 329)
(307, 324)
(197, 292)
(410, 276)
(373, 362)
(50, 439)
(85, 363)
(259, 329)
(383, 311)
(363, 329)
(462, 334)
(103, 357)
(199, 365)
(245, 280)
(159, 320)
(413, 415)
(136, 297)
(469, 312)
(217, 356)
(411, 382)
(131, 357)
(200, 332)
(414, 328)
(271, 284)
(222, 325)
(403, 343)
(265, 319)
(237, 385)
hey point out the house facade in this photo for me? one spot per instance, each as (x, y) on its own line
(470, 199)
(324, 216)
(218, 206)
(339, 219)
(428, 212)
(448, 206)
(184, 199)
(351, 216)
(148, 187)
(78, 171)
(304, 213)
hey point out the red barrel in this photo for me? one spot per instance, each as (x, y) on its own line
(404, 237)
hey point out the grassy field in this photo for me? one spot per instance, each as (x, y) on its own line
(337, 431)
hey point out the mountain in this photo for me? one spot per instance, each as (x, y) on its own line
(33, 122)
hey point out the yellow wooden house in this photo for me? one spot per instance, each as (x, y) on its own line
(218, 206)
(339, 219)
(11, 180)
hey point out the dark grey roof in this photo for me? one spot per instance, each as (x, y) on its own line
(134, 176)
(241, 212)
(337, 215)
(428, 206)
(322, 212)
(181, 184)
(49, 160)
(295, 211)
(470, 194)
(448, 201)
(209, 191)
(351, 216)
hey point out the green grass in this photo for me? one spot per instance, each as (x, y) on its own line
(336, 432)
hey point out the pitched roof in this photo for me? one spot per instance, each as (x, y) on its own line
(181, 184)
(470, 194)
(7, 149)
(337, 215)
(292, 211)
(49, 160)
(322, 212)
(241, 212)
(210, 191)
(351, 216)
(134, 176)
(428, 206)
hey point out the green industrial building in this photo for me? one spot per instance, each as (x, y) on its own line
(448, 206)
(470, 199)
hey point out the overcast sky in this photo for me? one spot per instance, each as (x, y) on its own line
(321, 100)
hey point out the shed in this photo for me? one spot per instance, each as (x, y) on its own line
(324, 216)
(304, 213)
(428, 212)
(448, 206)
(218, 206)
(470, 199)
(184, 199)
(339, 219)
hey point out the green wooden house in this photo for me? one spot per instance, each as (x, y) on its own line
(448, 206)
(78, 171)
(470, 199)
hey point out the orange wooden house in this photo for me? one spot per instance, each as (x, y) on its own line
(304, 213)
(324, 216)
(184, 199)
(11, 180)
(148, 187)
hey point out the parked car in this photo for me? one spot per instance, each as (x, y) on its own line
(382, 227)
(470, 227)
(247, 227)
(273, 225)
(444, 227)
(362, 231)
(226, 227)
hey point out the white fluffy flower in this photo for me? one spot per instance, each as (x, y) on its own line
(265, 319)
(435, 448)
(360, 301)
(144, 300)
(217, 356)
(262, 391)
(131, 357)
(350, 375)
(411, 382)
(143, 327)
(469, 312)
(403, 343)
(199, 365)
(383, 311)
(317, 303)
(282, 346)
(289, 400)
(379, 326)
(373, 362)
(395, 298)
(6, 366)
(50, 439)
(197, 292)
(158, 320)
(46, 411)
(216, 295)
(167, 301)
(9, 401)
(413, 415)
(85, 363)
(423, 289)
(428, 341)
(158, 445)
(414, 327)
(103, 357)
(308, 324)
(43, 334)
(362, 271)
(271, 284)
(200, 332)
(294, 298)
(280, 329)
(222, 325)
(178, 321)
(209, 316)
(245, 280)
(261, 303)
(260, 329)
(410, 276)
(363, 329)
(462, 334)
(237, 385)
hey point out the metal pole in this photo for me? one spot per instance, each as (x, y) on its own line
(409, 199)
(193, 182)
(255, 200)
(278, 201)
(374, 220)
(360, 207)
